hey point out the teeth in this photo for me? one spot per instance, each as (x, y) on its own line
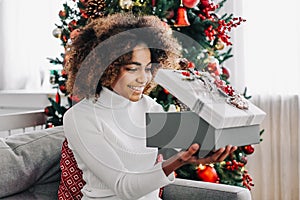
(138, 88)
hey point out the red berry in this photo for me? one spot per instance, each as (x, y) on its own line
(46, 110)
(185, 73)
(228, 163)
(166, 91)
(63, 73)
(49, 125)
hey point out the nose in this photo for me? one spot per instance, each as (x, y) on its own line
(142, 77)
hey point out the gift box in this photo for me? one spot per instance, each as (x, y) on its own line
(216, 119)
(181, 129)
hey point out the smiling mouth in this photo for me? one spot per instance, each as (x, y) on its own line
(136, 88)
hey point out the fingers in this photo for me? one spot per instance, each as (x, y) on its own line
(233, 149)
(224, 154)
(189, 154)
(218, 155)
(193, 148)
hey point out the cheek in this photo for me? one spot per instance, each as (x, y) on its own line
(125, 80)
(150, 76)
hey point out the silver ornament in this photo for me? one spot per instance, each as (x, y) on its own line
(57, 32)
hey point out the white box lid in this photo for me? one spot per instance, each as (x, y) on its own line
(211, 106)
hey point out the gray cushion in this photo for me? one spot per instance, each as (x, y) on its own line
(30, 161)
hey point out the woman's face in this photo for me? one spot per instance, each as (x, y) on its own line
(134, 76)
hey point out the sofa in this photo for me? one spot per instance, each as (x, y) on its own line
(29, 169)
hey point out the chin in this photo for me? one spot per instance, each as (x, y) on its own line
(135, 98)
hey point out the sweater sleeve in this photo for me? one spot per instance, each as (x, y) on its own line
(106, 164)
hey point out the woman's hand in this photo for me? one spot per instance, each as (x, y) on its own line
(189, 157)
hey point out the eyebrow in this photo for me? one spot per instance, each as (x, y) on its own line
(136, 63)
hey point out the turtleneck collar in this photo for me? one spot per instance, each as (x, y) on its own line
(110, 99)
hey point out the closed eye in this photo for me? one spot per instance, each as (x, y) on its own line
(148, 69)
(131, 69)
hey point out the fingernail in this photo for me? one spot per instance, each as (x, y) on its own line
(195, 146)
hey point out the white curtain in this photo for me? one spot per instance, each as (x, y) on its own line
(266, 61)
(26, 41)
(274, 165)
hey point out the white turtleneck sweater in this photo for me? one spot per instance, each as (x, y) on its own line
(108, 139)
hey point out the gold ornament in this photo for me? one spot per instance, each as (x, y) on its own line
(220, 45)
(126, 4)
(57, 32)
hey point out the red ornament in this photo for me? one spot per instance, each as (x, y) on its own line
(190, 3)
(182, 19)
(204, 4)
(225, 72)
(248, 149)
(62, 14)
(207, 173)
(212, 68)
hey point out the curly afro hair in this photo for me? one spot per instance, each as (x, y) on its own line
(94, 56)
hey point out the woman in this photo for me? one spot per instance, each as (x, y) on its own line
(111, 65)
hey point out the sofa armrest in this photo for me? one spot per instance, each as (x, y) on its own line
(194, 190)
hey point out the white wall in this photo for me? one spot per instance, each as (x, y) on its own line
(26, 41)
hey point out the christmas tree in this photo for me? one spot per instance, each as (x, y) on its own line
(198, 19)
